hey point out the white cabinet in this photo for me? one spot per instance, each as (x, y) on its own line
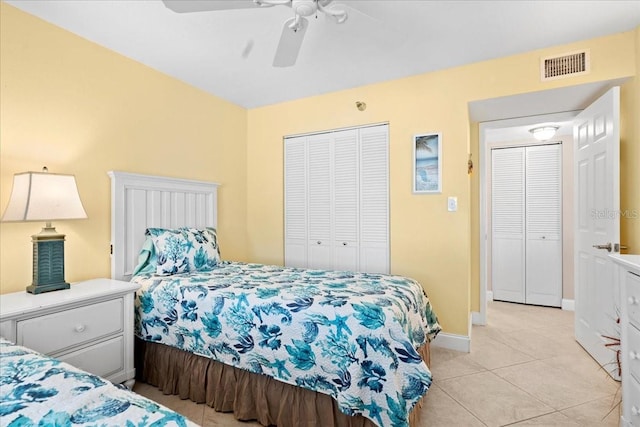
(526, 210)
(628, 277)
(336, 200)
(89, 325)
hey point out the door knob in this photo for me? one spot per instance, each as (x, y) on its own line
(607, 247)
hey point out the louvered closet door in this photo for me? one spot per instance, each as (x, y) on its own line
(319, 210)
(508, 224)
(544, 225)
(295, 202)
(374, 199)
(345, 199)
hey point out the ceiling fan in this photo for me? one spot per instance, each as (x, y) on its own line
(293, 30)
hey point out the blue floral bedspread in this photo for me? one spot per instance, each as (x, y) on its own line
(36, 390)
(350, 335)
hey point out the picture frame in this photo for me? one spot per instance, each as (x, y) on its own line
(427, 163)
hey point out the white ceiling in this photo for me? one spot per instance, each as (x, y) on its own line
(229, 53)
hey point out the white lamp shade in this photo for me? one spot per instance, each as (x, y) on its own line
(41, 196)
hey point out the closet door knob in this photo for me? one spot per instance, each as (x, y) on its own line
(319, 242)
(80, 328)
(344, 243)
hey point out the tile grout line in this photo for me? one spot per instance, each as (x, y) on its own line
(462, 406)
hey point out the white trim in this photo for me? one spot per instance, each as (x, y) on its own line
(453, 342)
(489, 295)
(478, 319)
(568, 304)
(294, 135)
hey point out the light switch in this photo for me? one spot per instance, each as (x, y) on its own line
(452, 204)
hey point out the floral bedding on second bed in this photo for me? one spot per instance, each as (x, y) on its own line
(350, 335)
(37, 390)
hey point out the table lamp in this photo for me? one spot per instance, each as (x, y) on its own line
(43, 196)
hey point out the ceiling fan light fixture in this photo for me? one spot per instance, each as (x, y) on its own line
(304, 7)
(544, 133)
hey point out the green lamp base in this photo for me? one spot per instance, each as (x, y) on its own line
(38, 289)
(48, 261)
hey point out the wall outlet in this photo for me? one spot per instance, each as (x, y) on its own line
(452, 204)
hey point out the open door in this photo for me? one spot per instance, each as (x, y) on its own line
(597, 225)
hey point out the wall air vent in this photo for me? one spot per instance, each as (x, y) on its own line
(569, 64)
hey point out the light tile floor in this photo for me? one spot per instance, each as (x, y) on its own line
(524, 368)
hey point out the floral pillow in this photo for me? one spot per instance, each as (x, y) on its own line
(184, 249)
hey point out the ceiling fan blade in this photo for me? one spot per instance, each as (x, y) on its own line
(186, 6)
(290, 42)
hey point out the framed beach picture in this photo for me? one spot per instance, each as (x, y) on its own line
(427, 163)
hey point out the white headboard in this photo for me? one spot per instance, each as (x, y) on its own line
(142, 201)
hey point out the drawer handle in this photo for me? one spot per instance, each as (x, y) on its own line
(633, 300)
(633, 355)
(80, 328)
(635, 411)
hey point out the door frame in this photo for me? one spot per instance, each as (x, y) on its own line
(480, 318)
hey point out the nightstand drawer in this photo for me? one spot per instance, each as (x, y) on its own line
(55, 332)
(102, 359)
(633, 400)
(633, 336)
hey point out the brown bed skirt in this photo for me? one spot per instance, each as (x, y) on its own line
(248, 395)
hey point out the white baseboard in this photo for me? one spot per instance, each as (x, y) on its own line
(568, 304)
(477, 318)
(489, 295)
(453, 342)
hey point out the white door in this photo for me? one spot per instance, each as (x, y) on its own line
(337, 200)
(295, 202)
(597, 225)
(526, 196)
(345, 200)
(374, 199)
(543, 247)
(319, 207)
(508, 224)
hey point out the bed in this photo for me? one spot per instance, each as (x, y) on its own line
(282, 346)
(40, 390)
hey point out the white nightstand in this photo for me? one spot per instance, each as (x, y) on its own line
(628, 276)
(89, 326)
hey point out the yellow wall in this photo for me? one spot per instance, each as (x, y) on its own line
(630, 158)
(79, 108)
(427, 242)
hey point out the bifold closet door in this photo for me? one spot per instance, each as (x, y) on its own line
(346, 209)
(337, 200)
(374, 199)
(544, 225)
(319, 210)
(295, 202)
(508, 224)
(526, 214)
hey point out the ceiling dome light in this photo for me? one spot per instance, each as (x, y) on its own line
(544, 133)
